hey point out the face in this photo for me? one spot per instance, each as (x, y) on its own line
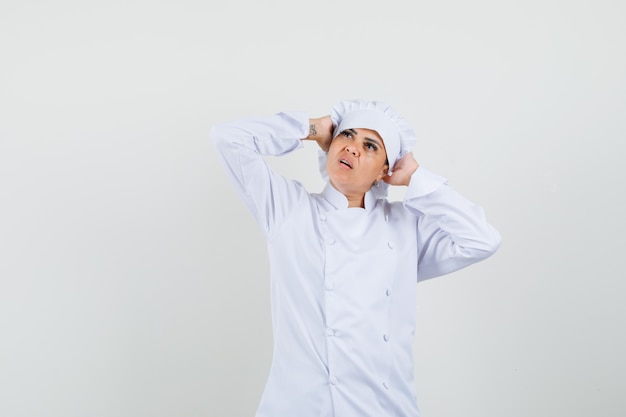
(356, 159)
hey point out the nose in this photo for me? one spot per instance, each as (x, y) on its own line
(351, 149)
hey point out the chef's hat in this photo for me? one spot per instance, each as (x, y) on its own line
(397, 134)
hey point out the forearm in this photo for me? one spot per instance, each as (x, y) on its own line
(271, 135)
(453, 232)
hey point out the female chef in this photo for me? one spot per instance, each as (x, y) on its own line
(344, 262)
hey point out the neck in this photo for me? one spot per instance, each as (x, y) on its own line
(356, 200)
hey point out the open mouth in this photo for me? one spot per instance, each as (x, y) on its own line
(346, 163)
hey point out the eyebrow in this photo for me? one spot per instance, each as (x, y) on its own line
(354, 132)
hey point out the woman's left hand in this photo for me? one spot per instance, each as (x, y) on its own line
(402, 171)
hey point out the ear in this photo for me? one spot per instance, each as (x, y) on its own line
(383, 173)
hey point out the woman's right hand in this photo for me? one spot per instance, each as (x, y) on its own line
(321, 131)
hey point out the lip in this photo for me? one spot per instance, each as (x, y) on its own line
(346, 160)
(346, 163)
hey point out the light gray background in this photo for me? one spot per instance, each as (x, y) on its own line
(133, 282)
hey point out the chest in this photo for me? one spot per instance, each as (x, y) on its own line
(362, 235)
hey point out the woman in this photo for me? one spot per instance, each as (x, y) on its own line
(344, 262)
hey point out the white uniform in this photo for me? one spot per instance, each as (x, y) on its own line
(343, 279)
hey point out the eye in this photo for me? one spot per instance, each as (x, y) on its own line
(371, 146)
(347, 134)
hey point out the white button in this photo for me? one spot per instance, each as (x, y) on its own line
(330, 332)
(322, 217)
(330, 241)
(388, 292)
(391, 244)
(385, 385)
(386, 337)
(330, 286)
(333, 380)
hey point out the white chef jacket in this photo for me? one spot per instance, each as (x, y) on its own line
(343, 279)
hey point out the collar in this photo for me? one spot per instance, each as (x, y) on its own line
(339, 201)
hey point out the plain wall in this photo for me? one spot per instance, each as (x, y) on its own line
(133, 282)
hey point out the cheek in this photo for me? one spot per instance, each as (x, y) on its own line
(335, 146)
(375, 171)
(377, 162)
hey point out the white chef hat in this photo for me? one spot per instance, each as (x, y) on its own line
(397, 134)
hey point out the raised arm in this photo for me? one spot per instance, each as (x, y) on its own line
(452, 231)
(240, 145)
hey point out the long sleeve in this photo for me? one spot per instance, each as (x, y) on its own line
(452, 232)
(241, 144)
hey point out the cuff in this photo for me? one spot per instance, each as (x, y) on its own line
(423, 182)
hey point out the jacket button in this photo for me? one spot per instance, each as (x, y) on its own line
(322, 217)
(330, 241)
(330, 286)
